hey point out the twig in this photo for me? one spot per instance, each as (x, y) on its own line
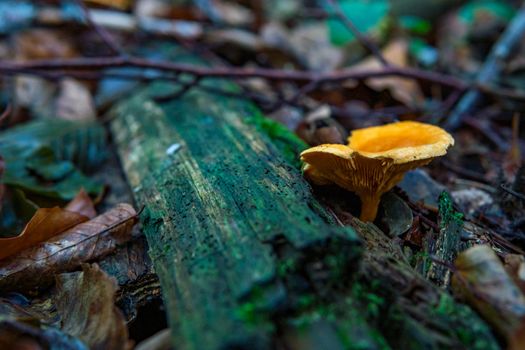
(101, 31)
(499, 91)
(464, 172)
(65, 67)
(491, 68)
(363, 39)
(487, 131)
(512, 192)
(185, 87)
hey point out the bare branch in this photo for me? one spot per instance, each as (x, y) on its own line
(68, 68)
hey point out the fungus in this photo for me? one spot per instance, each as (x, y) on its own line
(375, 159)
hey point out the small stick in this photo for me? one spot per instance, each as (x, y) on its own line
(512, 192)
(490, 69)
(101, 31)
(98, 63)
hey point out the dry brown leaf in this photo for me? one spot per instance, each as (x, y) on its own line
(49, 222)
(18, 335)
(515, 266)
(22, 327)
(404, 90)
(46, 223)
(233, 14)
(119, 4)
(82, 204)
(37, 44)
(482, 280)
(86, 302)
(75, 101)
(308, 43)
(88, 241)
(34, 93)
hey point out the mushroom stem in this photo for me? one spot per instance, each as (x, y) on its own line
(369, 206)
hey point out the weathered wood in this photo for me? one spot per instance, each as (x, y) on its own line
(403, 309)
(235, 234)
(448, 243)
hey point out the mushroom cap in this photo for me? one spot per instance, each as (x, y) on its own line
(376, 158)
(404, 142)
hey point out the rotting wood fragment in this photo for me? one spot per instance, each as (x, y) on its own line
(234, 232)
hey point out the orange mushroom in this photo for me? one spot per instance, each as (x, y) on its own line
(375, 159)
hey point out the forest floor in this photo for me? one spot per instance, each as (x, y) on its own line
(448, 240)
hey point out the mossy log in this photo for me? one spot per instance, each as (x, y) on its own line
(235, 235)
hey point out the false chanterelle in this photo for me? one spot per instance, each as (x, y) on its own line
(375, 159)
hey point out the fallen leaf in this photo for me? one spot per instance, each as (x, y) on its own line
(34, 93)
(41, 43)
(82, 204)
(44, 157)
(515, 266)
(482, 280)
(406, 91)
(421, 188)
(235, 38)
(86, 302)
(88, 241)
(46, 223)
(21, 327)
(75, 102)
(49, 222)
(15, 212)
(119, 4)
(17, 335)
(394, 215)
(158, 341)
(307, 43)
(233, 14)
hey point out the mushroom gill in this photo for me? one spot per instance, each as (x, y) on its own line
(375, 159)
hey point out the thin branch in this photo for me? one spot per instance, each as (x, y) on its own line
(101, 31)
(363, 39)
(491, 68)
(65, 67)
(512, 192)
(185, 87)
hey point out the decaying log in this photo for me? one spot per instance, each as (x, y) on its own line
(416, 314)
(235, 235)
(402, 308)
(138, 283)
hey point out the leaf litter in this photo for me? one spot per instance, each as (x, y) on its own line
(47, 161)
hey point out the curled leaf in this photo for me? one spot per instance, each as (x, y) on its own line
(82, 204)
(483, 281)
(46, 223)
(49, 222)
(21, 327)
(87, 241)
(86, 302)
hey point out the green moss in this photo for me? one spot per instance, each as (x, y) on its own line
(285, 140)
(470, 330)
